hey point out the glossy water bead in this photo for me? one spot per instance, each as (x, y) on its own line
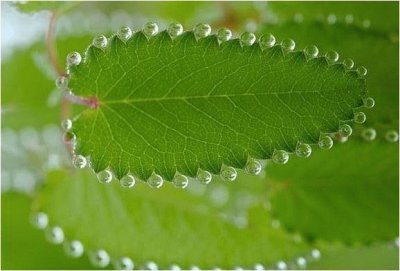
(368, 134)
(228, 173)
(151, 265)
(315, 253)
(79, 161)
(280, 157)
(224, 34)
(124, 263)
(325, 142)
(150, 29)
(124, 33)
(69, 137)
(104, 176)
(40, 220)
(62, 82)
(348, 19)
(203, 176)
(360, 117)
(180, 181)
(155, 181)
(73, 249)
(202, 30)
(288, 44)
(74, 58)
(259, 267)
(362, 71)
(100, 42)
(392, 136)
(55, 235)
(175, 30)
(248, 38)
(303, 150)
(99, 258)
(311, 51)
(332, 56)
(301, 262)
(267, 40)
(253, 166)
(369, 102)
(66, 125)
(345, 130)
(348, 63)
(281, 265)
(128, 181)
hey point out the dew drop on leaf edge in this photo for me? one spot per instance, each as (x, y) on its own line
(332, 56)
(368, 134)
(128, 181)
(369, 102)
(228, 173)
(124, 263)
(392, 136)
(345, 130)
(62, 82)
(99, 258)
(175, 30)
(104, 176)
(124, 33)
(66, 125)
(253, 167)
(348, 63)
(100, 42)
(303, 150)
(311, 51)
(180, 181)
(288, 44)
(40, 220)
(362, 71)
(267, 41)
(224, 34)
(74, 59)
(73, 249)
(155, 181)
(202, 30)
(280, 157)
(203, 176)
(79, 161)
(325, 142)
(360, 117)
(54, 235)
(150, 29)
(248, 38)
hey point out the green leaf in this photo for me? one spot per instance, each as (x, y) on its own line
(22, 246)
(349, 194)
(176, 105)
(378, 51)
(167, 226)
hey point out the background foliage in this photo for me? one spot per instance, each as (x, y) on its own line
(343, 202)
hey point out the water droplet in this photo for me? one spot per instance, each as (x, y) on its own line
(155, 181)
(248, 38)
(40, 220)
(345, 130)
(366, 23)
(275, 224)
(253, 167)
(228, 173)
(66, 124)
(280, 157)
(259, 266)
(362, 71)
(180, 181)
(195, 268)
(360, 117)
(175, 267)
(62, 82)
(203, 176)
(369, 134)
(348, 63)
(288, 44)
(74, 59)
(281, 265)
(202, 30)
(349, 19)
(369, 102)
(303, 150)
(128, 181)
(331, 19)
(69, 137)
(332, 56)
(298, 18)
(73, 249)
(104, 176)
(392, 136)
(175, 30)
(124, 33)
(224, 34)
(100, 42)
(267, 41)
(325, 142)
(99, 258)
(124, 263)
(311, 51)
(301, 262)
(79, 161)
(150, 29)
(151, 266)
(54, 235)
(315, 253)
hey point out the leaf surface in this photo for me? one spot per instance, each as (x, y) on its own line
(176, 105)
